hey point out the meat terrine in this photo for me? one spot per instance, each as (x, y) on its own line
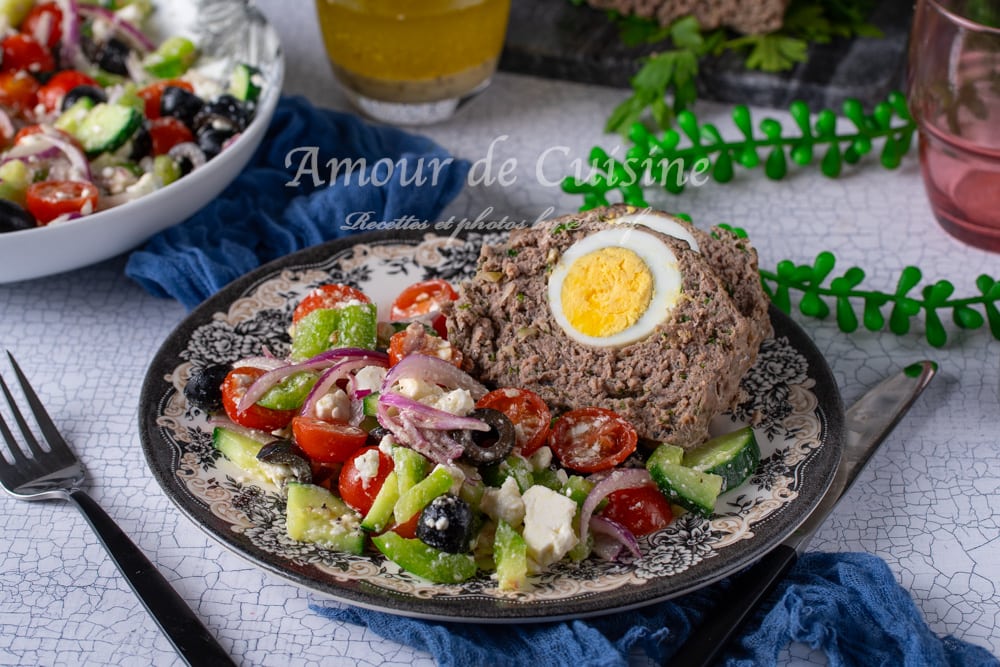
(669, 383)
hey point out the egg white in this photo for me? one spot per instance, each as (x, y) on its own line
(663, 224)
(662, 265)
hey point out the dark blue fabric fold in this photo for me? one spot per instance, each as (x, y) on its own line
(259, 217)
(848, 605)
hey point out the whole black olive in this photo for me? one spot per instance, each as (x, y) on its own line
(204, 387)
(77, 93)
(212, 139)
(487, 447)
(111, 55)
(376, 434)
(180, 104)
(142, 144)
(14, 218)
(446, 524)
(225, 111)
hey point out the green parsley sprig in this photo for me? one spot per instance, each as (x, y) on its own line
(819, 288)
(675, 158)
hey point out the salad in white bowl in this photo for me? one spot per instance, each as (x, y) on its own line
(109, 104)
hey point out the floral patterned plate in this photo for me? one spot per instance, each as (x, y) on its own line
(792, 392)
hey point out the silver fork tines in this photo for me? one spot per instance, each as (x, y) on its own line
(33, 472)
(36, 473)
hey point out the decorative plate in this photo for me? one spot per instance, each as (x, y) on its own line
(792, 392)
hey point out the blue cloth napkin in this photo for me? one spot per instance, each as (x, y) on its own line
(259, 217)
(846, 604)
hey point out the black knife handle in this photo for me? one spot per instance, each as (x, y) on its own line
(192, 640)
(722, 623)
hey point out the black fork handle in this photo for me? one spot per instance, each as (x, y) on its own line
(193, 641)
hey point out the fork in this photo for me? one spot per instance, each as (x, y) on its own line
(39, 474)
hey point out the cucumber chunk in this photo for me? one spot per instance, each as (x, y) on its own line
(245, 83)
(107, 127)
(425, 561)
(239, 449)
(733, 456)
(317, 516)
(692, 489)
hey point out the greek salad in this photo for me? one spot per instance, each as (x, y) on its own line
(94, 114)
(382, 443)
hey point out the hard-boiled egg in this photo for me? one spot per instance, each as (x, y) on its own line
(614, 287)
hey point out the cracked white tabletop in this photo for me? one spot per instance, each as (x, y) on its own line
(928, 503)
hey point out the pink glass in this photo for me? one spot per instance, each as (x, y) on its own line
(954, 94)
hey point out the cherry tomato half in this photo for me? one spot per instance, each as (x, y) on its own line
(414, 340)
(422, 299)
(48, 200)
(18, 91)
(235, 386)
(327, 441)
(642, 510)
(52, 93)
(527, 411)
(24, 52)
(44, 23)
(356, 487)
(152, 93)
(167, 132)
(333, 295)
(592, 439)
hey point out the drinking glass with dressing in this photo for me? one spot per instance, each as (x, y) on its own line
(412, 62)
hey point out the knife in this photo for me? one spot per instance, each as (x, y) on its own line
(867, 424)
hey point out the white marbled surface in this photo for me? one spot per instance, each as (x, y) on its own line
(927, 504)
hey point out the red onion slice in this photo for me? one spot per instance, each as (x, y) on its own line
(130, 32)
(427, 417)
(623, 478)
(433, 370)
(332, 376)
(619, 533)
(47, 145)
(321, 361)
(69, 47)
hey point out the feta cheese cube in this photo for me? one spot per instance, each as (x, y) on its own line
(548, 525)
(504, 503)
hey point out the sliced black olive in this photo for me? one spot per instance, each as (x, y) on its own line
(287, 453)
(204, 387)
(224, 112)
(486, 447)
(446, 524)
(74, 95)
(211, 139)
(14, 218)
(180, 104)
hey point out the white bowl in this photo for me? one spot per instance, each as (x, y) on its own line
(227, 31)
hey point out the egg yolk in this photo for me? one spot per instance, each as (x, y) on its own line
(606, 291)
